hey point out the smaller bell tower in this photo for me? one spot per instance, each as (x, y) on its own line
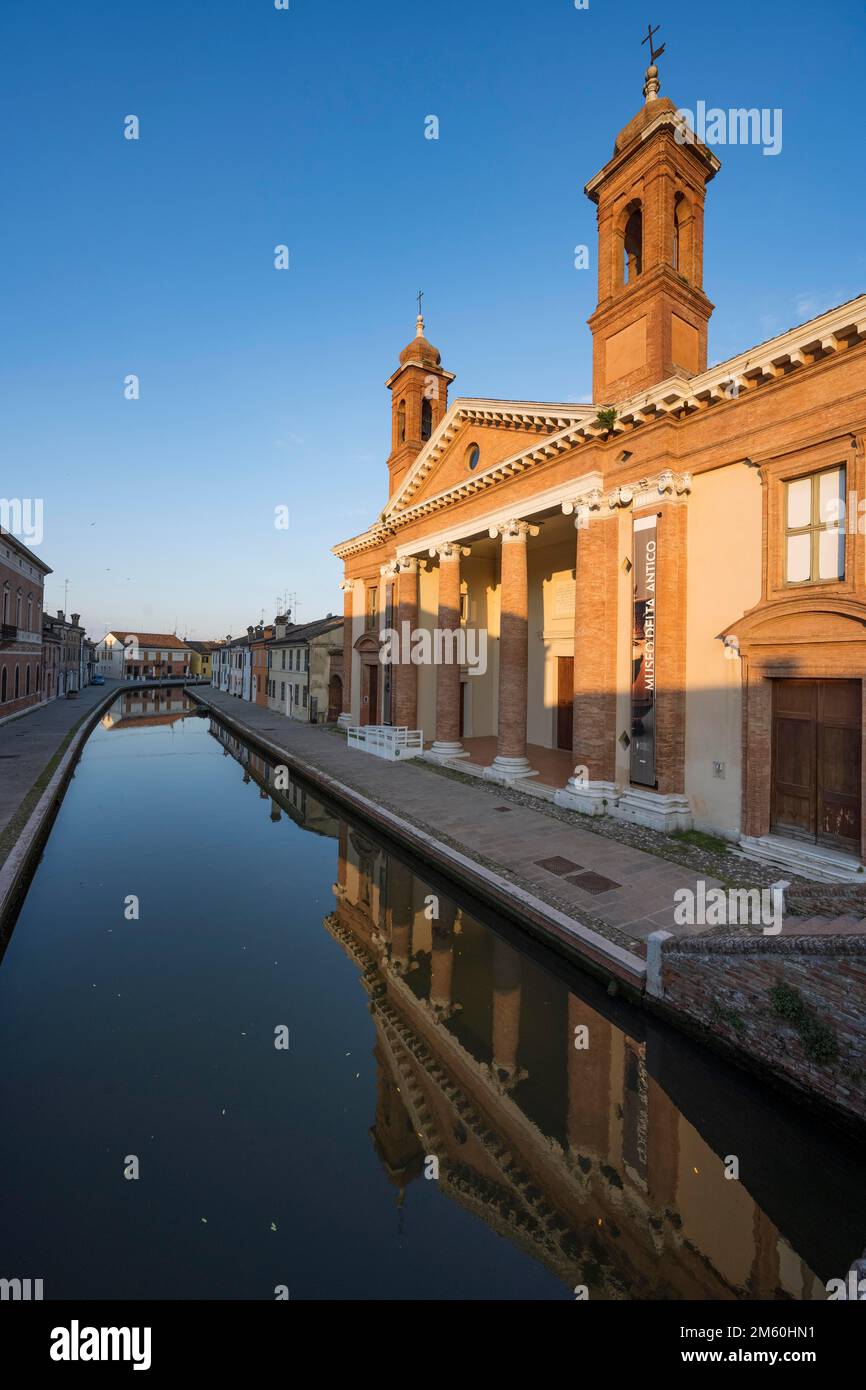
(652, 314)
(419, 400)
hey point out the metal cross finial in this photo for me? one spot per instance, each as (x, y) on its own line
(654, 52)
(420, 297)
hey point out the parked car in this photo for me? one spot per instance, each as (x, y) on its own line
(97, 680)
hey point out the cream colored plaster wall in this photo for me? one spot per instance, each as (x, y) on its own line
(481, 697)
(358, 617)
(428, 612)
(551, 635)
(724, 580)
(717, 1212)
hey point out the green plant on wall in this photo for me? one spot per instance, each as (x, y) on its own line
(819, 1040)
(606, 418)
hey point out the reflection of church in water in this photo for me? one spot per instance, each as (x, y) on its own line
(578, 1156)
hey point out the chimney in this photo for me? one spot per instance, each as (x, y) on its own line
(61, 616)
(280, 625)
(75, 617)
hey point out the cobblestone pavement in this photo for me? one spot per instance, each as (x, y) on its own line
(619, 889)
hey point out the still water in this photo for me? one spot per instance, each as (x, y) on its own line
(422, 1033)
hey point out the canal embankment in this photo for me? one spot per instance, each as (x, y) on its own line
(38, 754)
(790, 1008)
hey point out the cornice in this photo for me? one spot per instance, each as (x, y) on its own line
(677, 398)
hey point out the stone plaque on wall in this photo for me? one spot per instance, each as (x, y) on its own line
(564, 592)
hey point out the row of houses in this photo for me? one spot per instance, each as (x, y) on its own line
(41, 657)
(294, 669)
(146, 656)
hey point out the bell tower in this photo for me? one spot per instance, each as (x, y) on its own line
(419, 400)
(652, 314)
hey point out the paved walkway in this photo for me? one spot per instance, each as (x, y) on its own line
(597, 880)
(28, 743)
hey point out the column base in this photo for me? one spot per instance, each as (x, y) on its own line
(442, 752)
(658, 811)
(509, 769)
(344, 721)
(589, 798)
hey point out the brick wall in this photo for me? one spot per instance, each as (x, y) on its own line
(724, 985)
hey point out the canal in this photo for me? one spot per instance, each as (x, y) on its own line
(250, 1049)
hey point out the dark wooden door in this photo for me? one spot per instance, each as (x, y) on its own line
(564, 701)
(369, 686)
(372, 716)
(816, 760)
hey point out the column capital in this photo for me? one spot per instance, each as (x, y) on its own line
(449, 550)
(584, 506)
(513, 530)
(389, 569)
(346, 584)
(409, 564)
(643, 492)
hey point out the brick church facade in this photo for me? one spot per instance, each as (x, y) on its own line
(672, 580)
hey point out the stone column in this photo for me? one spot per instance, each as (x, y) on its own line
(667, 807)
(592, 785)
(511, 760)
(506, 1013)
(388, 612)
(589, 1081)
(405, 674)
(447, 744)
(348, 587)
(400, 914)
(442, 958)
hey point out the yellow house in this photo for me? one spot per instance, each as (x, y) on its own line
(200, 659)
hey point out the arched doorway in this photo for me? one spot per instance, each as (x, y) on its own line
(335, 698)
(367, 647)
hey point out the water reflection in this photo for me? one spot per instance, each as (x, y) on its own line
(422, 1028)
(139, 708)
(576, 1154)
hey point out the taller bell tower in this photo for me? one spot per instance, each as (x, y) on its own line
(652, 314)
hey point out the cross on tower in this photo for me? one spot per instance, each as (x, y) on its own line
(654, 52)
(420, 297)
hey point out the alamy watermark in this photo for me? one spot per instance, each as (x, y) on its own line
(718, 907)
(736, 126)
(23, 518)
(458, 646)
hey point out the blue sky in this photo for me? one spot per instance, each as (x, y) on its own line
(262, 388)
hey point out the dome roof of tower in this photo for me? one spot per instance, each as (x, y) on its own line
(648, 112)
(419, 350)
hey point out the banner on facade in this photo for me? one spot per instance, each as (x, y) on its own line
(643, 671)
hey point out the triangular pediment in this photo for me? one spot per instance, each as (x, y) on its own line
(476, 436)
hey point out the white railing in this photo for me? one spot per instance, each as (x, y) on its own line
(385, 741)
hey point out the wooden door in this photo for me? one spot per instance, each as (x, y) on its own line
(839, 745)
(816, 761)
(368, 692)
(374, 693)
(564, 701)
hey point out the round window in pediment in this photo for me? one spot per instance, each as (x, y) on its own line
(473, 454)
